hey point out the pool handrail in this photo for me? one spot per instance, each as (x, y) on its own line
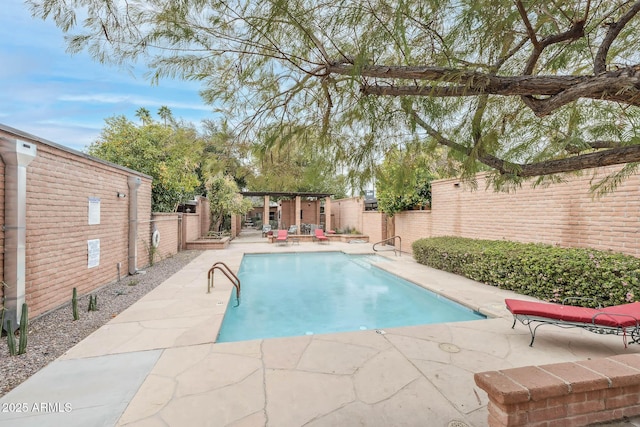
(397, 252)
(224, 268)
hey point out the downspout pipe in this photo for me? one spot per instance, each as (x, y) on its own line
(16, 156)
(134, 183)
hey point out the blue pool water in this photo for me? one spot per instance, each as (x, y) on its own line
(314, 293)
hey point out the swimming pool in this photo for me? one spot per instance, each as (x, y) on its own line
(296, 294)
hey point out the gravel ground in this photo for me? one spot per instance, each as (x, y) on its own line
(55, 332)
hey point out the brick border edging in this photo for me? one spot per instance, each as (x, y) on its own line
(568, 394)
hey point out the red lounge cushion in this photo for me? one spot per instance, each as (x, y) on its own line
(621, 315)
(625, 315)
(568, 313)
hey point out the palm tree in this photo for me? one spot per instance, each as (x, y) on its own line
(165, 114)
(144, 115)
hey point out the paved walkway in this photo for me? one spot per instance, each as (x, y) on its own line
(157, 363)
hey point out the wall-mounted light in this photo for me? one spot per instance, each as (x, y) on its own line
(121, 195)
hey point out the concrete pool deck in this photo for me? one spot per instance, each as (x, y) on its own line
(157, 363)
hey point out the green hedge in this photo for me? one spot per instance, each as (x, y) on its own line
(542, 271)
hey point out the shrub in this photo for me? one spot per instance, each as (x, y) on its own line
(542, 271)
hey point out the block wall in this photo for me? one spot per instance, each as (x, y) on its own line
(59, 186)
(191, 227)
(310, 212)
(563, 214)
(347, 213)
(374, 225)
(167, 225)
(411, 226)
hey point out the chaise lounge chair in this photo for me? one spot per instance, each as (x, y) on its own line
(615, 320)
(283, 237)
(320, 237)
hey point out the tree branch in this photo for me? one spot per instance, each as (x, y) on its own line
(621, 86)
(596, 145)
(612, 156)
(600, 65)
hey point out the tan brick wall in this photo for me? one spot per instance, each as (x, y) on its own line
(372, 225)
(144, 226)
(411, 226)
(167, 224)
(310, 212)
(347, 213)
(2, 228)
(563, 214)
(191, 227)
(59, 185)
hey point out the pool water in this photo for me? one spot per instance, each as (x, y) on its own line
(315, 293)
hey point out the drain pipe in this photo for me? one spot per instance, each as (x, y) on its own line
(16, 156)
(134, 183)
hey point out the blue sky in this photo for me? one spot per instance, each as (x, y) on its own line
(65, 99)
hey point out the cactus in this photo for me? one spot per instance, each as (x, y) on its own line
(11, 339)
(93, 303)
(74, 304)
(24, 332)
(2, 322)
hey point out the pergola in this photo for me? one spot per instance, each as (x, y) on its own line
(298, 196)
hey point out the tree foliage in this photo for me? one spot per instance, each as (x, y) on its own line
(287, 159)
(526, 87)
(225, 199)
(170, 155)
(403, 179)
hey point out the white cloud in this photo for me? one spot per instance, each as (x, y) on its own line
(64, 98)
(110, 98)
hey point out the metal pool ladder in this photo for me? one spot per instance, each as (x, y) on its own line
(224, 268)
(397, 252)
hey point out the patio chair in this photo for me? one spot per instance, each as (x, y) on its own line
(283, 237)
(320, 236)
(266, 228)
(621, 320)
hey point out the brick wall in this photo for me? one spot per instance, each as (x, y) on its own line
(310, 212)
(2, 228)
(563, 394)
(144, 225)
(347, 213)
(563, 214)
(167, 224)
(374, 225)
(60, 183)
(191, 227)
(411, 226)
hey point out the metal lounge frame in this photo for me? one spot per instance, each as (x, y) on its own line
(622, 320)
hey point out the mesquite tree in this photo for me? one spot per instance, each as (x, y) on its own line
(525, 87)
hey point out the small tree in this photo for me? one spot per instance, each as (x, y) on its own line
(225, 199)
(404, 178)
(171, 155)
